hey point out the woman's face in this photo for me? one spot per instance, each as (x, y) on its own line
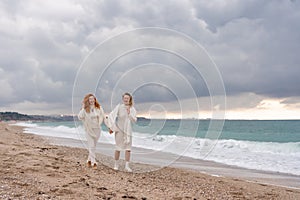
(92, 100)
(126, 99)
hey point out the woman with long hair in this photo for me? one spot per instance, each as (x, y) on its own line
(119, 121)
(92, 116)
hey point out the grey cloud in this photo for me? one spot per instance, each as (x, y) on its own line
(255, 44)
(291, 100)
(259, 54)
(217, 14)
(141, 67)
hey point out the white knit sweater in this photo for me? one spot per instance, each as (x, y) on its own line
(92, 121)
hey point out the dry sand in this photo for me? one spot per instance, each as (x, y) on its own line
(31, 168)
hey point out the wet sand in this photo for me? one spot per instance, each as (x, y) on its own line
(32, 168)
(158, 159)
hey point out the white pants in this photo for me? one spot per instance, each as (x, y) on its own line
(92, 142)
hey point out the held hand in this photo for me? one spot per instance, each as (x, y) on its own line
(110, 131)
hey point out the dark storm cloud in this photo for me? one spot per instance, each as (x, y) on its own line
(255, 45)
(259, 41)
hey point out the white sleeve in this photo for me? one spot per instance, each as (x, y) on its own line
(111, 120)
(132, 115)
(81, 114)
(101, 116)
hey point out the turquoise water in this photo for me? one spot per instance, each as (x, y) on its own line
(281, 131)
(270, 145)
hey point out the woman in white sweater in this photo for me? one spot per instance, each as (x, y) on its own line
(119, 121)
(92, 116)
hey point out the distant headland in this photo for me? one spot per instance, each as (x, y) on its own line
(15, 116)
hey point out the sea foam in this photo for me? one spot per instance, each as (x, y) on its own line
(269, 156)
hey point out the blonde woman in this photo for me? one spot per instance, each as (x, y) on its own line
(120, 121)
(92, 116)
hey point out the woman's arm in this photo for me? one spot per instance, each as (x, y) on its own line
(81, 114)
(101, 116)
(132, 115)
(111, 118)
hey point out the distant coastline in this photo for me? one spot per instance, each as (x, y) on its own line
(15, 116)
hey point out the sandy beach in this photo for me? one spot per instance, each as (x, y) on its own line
(32, 168)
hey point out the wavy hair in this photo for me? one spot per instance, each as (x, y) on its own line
(130, 100)
(87, 104)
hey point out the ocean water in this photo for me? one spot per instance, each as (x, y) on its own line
(270, 145)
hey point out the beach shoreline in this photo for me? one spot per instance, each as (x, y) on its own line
(32, 168)
(157, 160)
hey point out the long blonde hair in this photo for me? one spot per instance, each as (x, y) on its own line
(87, 104)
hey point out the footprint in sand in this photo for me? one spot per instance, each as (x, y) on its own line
(65, 191)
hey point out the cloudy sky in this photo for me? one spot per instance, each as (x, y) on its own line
(54, 53)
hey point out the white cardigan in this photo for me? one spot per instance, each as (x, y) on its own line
(111, 121)
(92, 121)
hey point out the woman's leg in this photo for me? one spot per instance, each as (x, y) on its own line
(127, 158)
(93, 151)
(117, 157)
(93, 148)
(90, 143)
(127, 155)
